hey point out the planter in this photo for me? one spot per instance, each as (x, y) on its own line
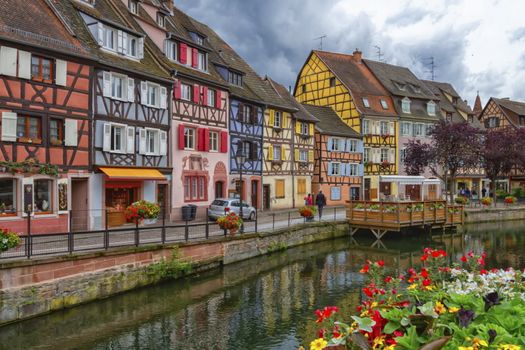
(233, 231)
(150, 221)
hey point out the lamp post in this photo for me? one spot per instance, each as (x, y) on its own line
(240, 162)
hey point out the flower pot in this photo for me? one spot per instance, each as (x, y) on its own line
(233, 231)
(150, 221)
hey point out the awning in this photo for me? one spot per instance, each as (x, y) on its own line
(132, 174)
(432, 182)
(403, 180)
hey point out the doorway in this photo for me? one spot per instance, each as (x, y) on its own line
(367, 189)
(79, 205)
(162, 199)
(432, 192)
(413, 192)
(354, 193)
(385, 188)
(255, 189)
(266, 197)
(219, 189)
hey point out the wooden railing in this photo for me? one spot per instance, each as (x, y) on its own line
(404, 214)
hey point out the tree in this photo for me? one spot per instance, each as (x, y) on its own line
(418, 155)
(453, 146)
(499, 154)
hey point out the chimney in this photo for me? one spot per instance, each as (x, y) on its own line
(358, 55)
(168, 4)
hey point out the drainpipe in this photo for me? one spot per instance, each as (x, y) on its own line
(292, 156)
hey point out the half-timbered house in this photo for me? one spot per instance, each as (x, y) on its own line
(45, 125)
(345, 83)
(288, 151)
(338, 167)
(131, 120)
(199, 105)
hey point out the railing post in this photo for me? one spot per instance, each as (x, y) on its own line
(29, 239)
(137, 237)
(256, 219)
(70, 233)
(186, 231)
(163, 230)
(273, 221)
(106, 231)
(398, 213)
(381, 212)
(207, 224)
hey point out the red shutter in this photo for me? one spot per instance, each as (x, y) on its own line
(206, 133)
(181, 136)
(183, 53)
(194, 57)
(218, 100)
(200, 139)
(205, 95)
(176, 90)
(224, 142)
(196, 93)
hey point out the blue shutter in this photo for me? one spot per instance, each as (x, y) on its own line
(361, 170)
(342, 145)
(330, 169)
(330, 143)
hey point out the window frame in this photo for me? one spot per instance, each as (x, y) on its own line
(384, 128)
(335, 141)
(214, 138)
(406, 126)
(124, 86)
(366, 155)
(123, 138)
(60, 131)
(191, 136)
(366, 102)
(182, 95)
(27, 129)
(353, 146)
(106, 29)
(332, 82)
(133, 6)
(14, 196)
(161, 20)
(150, 85)
(338, 169)
(202, 61)
(277, 150)
(235, 78)
(305, 129)
(195, 188)
(431, 108)
(211, 97)
(384, 155)
(405, 105)
(277, 117)
(366, 127)
(40, 64)
(305, 153)
(384, 104)
(156, 141)
(50, 194)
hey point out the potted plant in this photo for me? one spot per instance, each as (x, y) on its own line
(374, 207)
(142, 211)
(307, 212)
(359, 206)
(437, 206)
(389, 208)
(8, 240)
(486, 201)
(231, 222)
(511, 200)
(461, 200)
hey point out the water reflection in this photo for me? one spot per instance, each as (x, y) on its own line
(263, 303)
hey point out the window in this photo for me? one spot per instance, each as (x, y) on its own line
(366, 127)
(276, 153)
(493, 122)
(171, 50)
(384, 104)
(7, 196)
(56, 131)
(133, 6)
(132, 47)
(201, 61)
(418, 129)
(352, 146)
(366, 103)
(279, 189)
(334, 169)
(428, 129)
(470, 119)
(305, 129)
(152, 141)
(246, 116)
(301, 186)
(303, 88)
(185, 92)
(235, 78)
(277, 122)
(28, 129)
(42, 69)
(449, 117)
(109, 38)
(334, 145)
(522, 120)
(211, 98)
(153, 95)
(405, 105)
(161, 20)
(406, 128)
(431, 108)
(43, 196)
(332, 82)
(353, 170)
(214, 141)
(118, 138)
(366, 155)
(195, 188)
(335, 193)
(303, 156)
(384, 155)
(189, 138)
(118, 86)
(199, 39)
(248, 150)
(402, 155)
(384, 128)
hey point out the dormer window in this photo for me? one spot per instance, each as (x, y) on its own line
(400, 86)
(121, 42)
(405, 105)
(235, 78)
(171, 50)
(133, 6)
(199, 39)
(110, 38)
(161, 20)
(431, 108)
(384, 104)
(366, 103)
(416, 88)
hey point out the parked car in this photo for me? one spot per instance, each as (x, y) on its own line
(222, 205)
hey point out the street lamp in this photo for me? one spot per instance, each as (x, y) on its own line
(241, 158)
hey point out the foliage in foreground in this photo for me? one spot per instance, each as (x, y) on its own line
(462, 306)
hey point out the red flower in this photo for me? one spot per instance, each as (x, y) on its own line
(424, 257)
(424, 273)
(388, 279)
(364, 269)
(398, 334)
(427, 282)
(464, 258)
(380, 263)
(483, 272)
(368, 292)
(321, 333)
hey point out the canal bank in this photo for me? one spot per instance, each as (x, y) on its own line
(35, 287)
(506, 213)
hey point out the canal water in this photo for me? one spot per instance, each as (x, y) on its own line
(263, 303)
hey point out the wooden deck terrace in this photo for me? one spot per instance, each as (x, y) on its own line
(381, 217)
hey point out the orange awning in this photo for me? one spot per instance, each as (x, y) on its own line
(132, 174)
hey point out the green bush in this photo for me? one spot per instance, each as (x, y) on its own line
(518, 192)
(501, 194)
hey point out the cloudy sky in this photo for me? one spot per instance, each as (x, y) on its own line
(476, 44)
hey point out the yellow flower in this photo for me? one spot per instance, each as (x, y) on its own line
(465, 348)
(412, 286)
(453, 309)
(374, 304)
(429, 287)
(440, 308)
(481, 342)
(389, 347)
(318, 344)
(378, 341)
(301, 348)
(509, 347)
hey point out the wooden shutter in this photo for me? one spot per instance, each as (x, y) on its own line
(205, 95)
(330, 143)
(207, 140)
(283, 152)
(255, 151)
(176, 89)
(194, 57)
(183, 53)
(8, 58)
(100, 33)
(163, 147)
(269, 155)
(107, 137)
(196, 93)
(9, 126)
(310, 156)
(218, 99)
(330, 169)
(124, 43)
(143, 92)
(253, 117)
(142, 141)
(271, 118)
(342, 169)
(119, 41)
(297, 127)
(200, 139)
(392, 155)
(140, 48)
(224, 142)
(130, 140)
(181, 136)
(311, 129)
(301, 186)
(70, 132)
(391, 128)
(131, 89)
(106, 83)
(24, 64)
(297, 155)
(163, 97)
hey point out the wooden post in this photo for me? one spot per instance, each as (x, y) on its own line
(381, 212)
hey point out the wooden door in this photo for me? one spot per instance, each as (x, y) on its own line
(367, 189)
(385, 188)
(255, 189)
(162, 199)
(413, 191)
(432, 192)
(266, 197)
(219, 189)
(79, 205)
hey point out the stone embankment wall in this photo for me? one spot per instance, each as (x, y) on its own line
(494, 214)
(34, 287)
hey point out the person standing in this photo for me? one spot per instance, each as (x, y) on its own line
(320, 200)
(310, 199)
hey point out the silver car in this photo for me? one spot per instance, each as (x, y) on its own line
(218, 208)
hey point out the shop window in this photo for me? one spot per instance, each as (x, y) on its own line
(214, 141)
(189, 138)
(43, 196)
(7, 196)
(279, 189)
(28, 129)
(195, 188)
(56, 131)
(42, 69)
(301, 186)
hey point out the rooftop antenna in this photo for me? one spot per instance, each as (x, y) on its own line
(379, 53)
(320, 38)
(431, 68)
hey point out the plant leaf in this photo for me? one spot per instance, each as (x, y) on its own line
(436, 344)
(365, 323)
